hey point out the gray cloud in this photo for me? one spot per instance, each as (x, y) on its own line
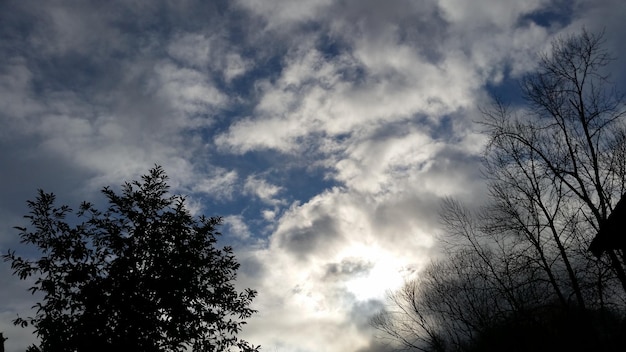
(322, 232)
(379, 346)
(347, 268)
(14, 301)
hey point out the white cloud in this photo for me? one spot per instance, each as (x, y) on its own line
(279, 12)
(326, 258)
(188, 89)
(237, 226)
(262, 189)
(268, 215)
(363, 89)
(220, 183)
(484, 13)
(294, 106)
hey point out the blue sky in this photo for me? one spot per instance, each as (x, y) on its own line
(325, 132)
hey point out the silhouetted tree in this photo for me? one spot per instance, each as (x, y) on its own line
(445, 307)
(553, 328)
(143, 275)
(520, 269)
(457, 299)
(557, 167)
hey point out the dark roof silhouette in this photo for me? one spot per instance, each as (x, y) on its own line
(2, 339)
(611, 234)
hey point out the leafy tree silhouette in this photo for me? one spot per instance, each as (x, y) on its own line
(143, 275)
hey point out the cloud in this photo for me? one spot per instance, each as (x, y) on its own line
(260, 188)
(187, 89)
(326, 258)
(15, 78)
(319, 96)
(376, 119)
(209, 52)
(219, 183)
(305, 240)
(488, 12)
(348, 267)
(321, 308)
(237, 227)
(280, 12)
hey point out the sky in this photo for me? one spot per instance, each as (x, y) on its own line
(326, 133)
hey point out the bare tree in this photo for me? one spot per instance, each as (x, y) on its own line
(439, 311)
(556, 169)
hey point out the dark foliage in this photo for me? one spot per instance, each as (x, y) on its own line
(2, 339)
(611, 235)
(552, 328)
(143, 275)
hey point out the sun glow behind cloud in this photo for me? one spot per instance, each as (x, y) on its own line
(387, 272)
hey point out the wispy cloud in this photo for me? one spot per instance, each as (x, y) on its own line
(262, 189)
